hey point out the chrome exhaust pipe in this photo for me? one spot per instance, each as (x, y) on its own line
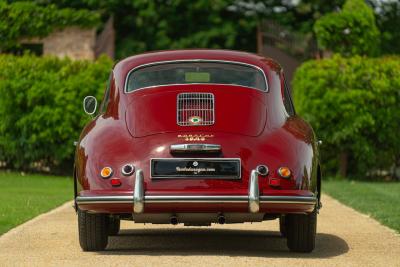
(221, 219)
(174, 220)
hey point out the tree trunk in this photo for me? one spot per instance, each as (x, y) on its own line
(343, 161)
(260, 43)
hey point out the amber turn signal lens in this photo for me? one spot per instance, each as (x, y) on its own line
(284, 172)
(106, 172)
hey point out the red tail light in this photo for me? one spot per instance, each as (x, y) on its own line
(115, 182)
(274, 182)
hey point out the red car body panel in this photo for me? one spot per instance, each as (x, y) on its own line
(250, 124)
(235, 106)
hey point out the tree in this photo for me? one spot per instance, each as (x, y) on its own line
(388, 21)
(145, 25)
(352, 31)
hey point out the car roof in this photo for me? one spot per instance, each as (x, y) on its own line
(196, 54)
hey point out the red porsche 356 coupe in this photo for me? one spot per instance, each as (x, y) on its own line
(196, 137)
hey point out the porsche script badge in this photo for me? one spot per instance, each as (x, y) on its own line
(195, 137)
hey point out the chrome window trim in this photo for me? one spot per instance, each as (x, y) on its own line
(199, 177)
(195, 60)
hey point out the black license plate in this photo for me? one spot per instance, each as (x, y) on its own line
(196, 168)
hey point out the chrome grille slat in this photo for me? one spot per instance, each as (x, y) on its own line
(195, 105)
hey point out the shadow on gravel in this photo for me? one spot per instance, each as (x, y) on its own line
(228, 242)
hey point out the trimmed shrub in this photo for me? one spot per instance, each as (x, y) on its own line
(352, 31)
(41, 107)
(353, 105)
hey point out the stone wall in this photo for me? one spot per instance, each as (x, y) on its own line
(72, 42)
(78, 43)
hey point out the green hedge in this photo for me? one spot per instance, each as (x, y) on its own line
(41, 107)
(353, 105)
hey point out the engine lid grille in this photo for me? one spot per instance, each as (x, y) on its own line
(195, 109)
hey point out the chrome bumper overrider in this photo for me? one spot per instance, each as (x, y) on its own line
(138, 199)
(138, 193)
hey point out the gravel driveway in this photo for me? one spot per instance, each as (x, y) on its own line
(345, 238)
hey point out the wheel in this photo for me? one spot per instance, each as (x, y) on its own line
(301, 230)
(282, 225)
(113, 224)
(93, 232)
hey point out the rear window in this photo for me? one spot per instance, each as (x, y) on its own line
(195, 73)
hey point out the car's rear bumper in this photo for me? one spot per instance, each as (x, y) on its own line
(137, 202)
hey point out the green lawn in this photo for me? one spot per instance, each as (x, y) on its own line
(380, 200)
(24, 197)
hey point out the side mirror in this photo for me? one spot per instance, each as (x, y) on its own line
(89, 105)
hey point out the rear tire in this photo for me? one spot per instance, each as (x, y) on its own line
(301, 231)
(113, 224)
(282, 225)
(93, 232)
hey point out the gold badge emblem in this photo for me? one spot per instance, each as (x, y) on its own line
(195, 137)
